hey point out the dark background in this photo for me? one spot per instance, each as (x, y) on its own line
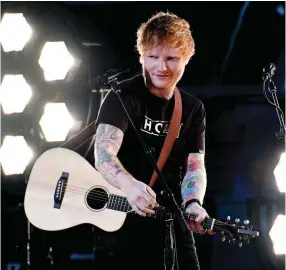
(234, 42)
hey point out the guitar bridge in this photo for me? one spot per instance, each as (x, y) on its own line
(60, 190)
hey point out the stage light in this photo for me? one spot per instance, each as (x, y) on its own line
(56, 122)
(278, 235)
(15, 155)
(15, 32)
(15, 93)
(280, 10)
(280, 173)
(55, 60)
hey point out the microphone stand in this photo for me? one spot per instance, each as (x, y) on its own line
(173, 208)
(272, 90)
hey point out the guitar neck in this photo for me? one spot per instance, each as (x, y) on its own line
(120, 203)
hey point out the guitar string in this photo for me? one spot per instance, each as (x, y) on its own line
(71, 187)
(119, 197)
(102, 195)
(124, 203)
(124, 199)
(117, 201)
(221, 229)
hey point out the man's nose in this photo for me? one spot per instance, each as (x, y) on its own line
(162, 65)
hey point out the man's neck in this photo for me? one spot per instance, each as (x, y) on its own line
(166, 94)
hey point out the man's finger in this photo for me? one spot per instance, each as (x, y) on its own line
(139, 211)
(145, 209)
(151, 192)
(199, 228)
(200, 217)
(210, 232)
(151, 197)
(192, 226)
(152, 206)
(198, 222)
(150, 200)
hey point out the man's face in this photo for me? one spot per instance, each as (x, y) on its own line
(163, 67)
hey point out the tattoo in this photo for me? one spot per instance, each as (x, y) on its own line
(104, 157)
(194, 182)
(118, 171)
(107, 144)
(194, 163)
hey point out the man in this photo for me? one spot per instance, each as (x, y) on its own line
(165, 45)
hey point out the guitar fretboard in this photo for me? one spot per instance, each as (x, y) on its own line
(118, 203)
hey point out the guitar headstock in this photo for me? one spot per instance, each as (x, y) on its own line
(235, 232)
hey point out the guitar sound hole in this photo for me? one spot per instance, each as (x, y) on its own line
(97, 198)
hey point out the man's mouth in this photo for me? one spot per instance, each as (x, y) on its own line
(161, 76)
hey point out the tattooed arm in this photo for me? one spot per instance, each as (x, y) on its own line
(107, 144)
(195, 181)
(194, 187)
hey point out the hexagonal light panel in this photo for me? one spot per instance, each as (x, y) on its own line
(15, 155)
(55, 60)
(15, 32)
(56, 122)
(278, 234)
(15, 93)
(280, 173)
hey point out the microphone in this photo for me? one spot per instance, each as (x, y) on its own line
(110, 75)
(268, 71)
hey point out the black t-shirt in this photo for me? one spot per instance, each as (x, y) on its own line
(151, 115)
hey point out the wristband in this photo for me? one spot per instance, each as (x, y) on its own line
(192, 201)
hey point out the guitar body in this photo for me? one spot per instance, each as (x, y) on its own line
(52, 204)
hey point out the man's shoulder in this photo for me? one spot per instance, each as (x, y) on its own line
(190, 99)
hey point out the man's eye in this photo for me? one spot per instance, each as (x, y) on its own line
(173, 58)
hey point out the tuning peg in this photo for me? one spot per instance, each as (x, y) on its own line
(223, 239)
(246, 222)
(237, 220)
(232, 241)
(228, 218)
(239, 244)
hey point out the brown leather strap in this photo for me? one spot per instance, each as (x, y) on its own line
(171, 136)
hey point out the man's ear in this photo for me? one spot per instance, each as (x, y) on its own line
(141, 59)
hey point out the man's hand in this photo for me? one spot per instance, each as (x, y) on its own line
(200, 212)
(140, 196)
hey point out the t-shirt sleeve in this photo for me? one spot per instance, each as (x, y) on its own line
(196, 140)
(111, 111)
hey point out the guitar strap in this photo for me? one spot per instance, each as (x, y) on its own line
(171, 135)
